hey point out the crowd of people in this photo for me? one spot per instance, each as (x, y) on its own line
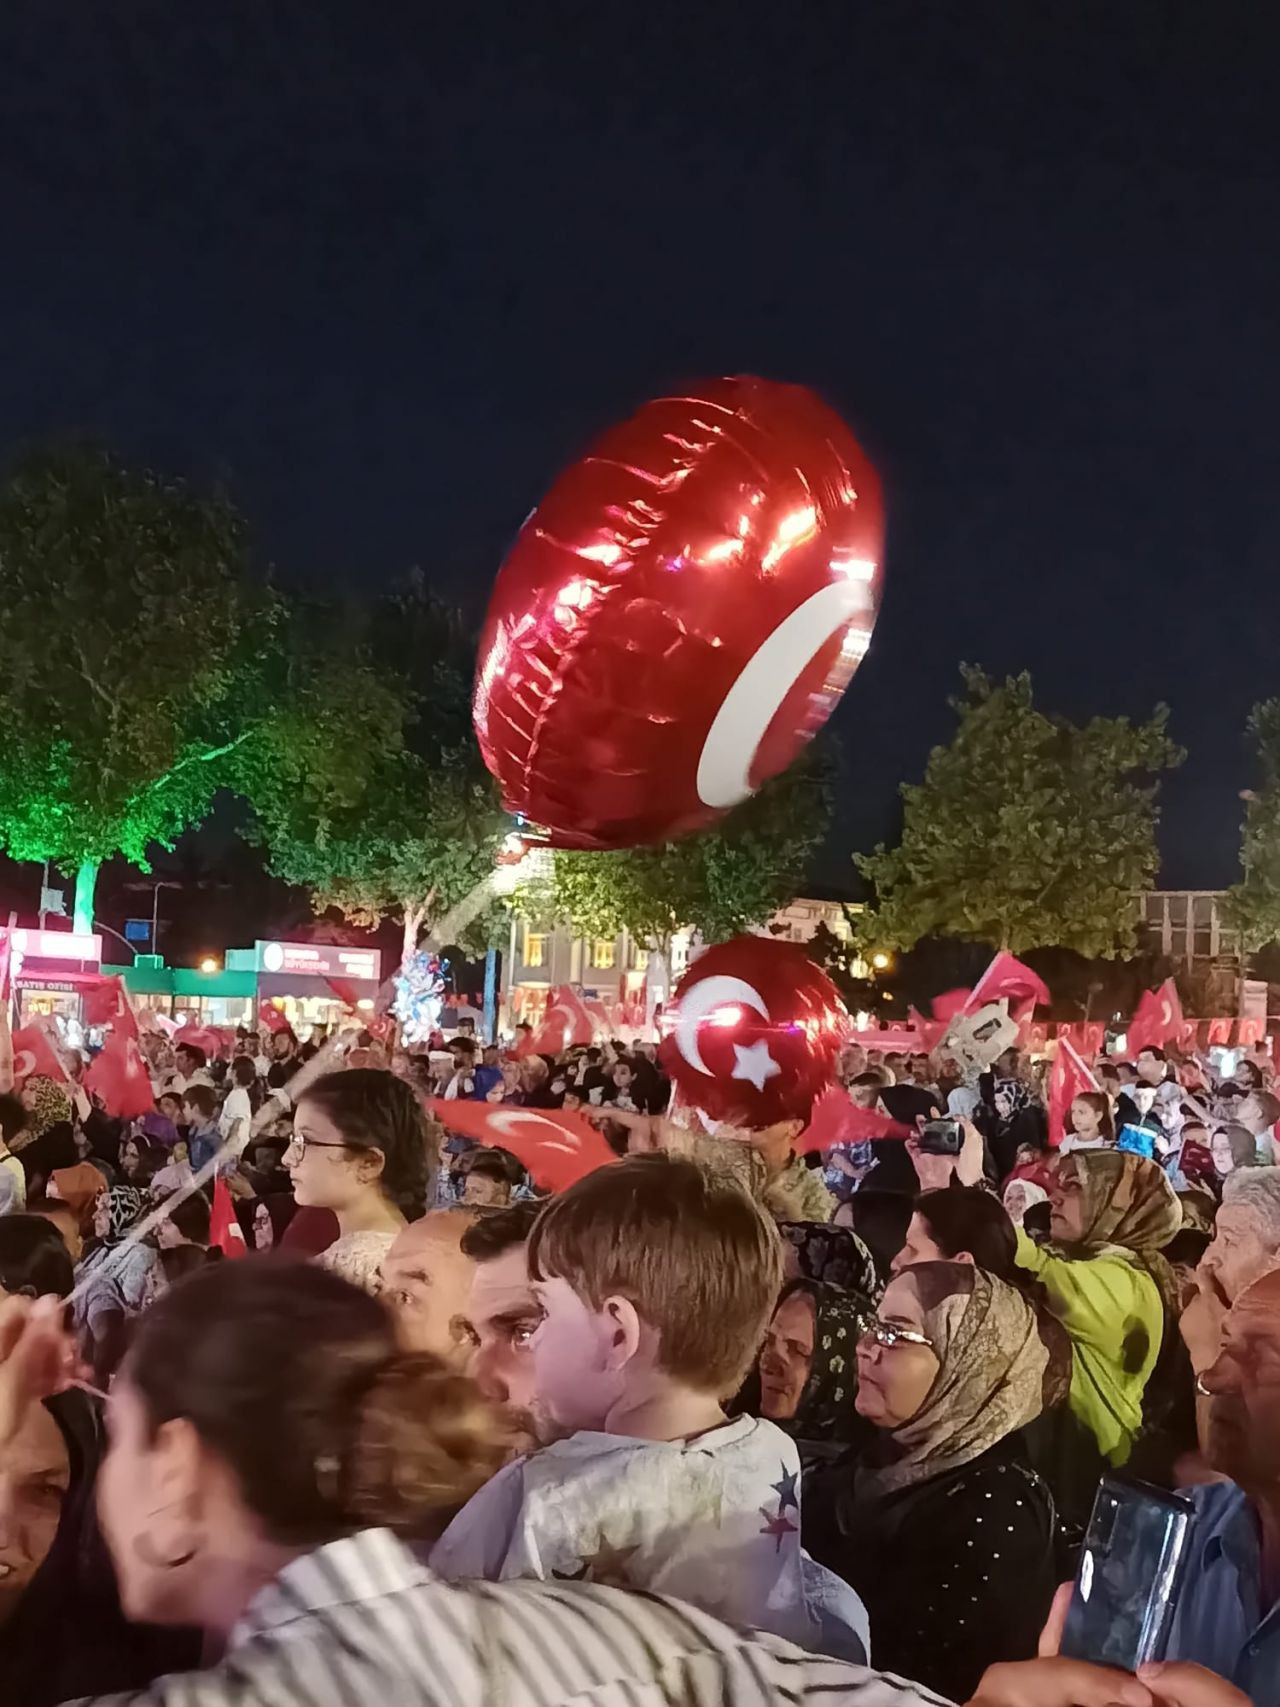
(717, 1422)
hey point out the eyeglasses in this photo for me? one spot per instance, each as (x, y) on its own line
(302, 1143)
(889, 1334)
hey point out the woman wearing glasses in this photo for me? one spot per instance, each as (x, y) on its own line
(941, 1526)
(360, 1147)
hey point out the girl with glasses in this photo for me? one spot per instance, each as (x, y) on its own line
(359, 1148)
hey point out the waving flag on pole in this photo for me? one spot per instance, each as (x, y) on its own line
(107, 1003)
(567, 1021)
(1006, 976)
(119, 1076)
(835, 1120)
(34, 1053)
(557, 1146)
(1067, 1078)
(225, 1233)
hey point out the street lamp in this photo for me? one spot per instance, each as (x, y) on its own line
(155, 911)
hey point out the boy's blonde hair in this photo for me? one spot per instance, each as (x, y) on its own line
(699, 1260)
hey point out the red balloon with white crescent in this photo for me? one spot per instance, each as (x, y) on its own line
(680, 614)
(752, 1032)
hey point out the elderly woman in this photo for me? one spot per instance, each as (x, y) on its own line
(940, 1525)
(808, 1370)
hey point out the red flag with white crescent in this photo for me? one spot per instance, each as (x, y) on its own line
(1006, 976)
(835, 1120)
(1067, 1078)
(225, 1232)
(119, 1076)
(565, 1023)
(34, 1054)
(107, 1003)
(557, 1146)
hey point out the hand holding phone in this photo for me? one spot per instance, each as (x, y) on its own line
(1131, 1570)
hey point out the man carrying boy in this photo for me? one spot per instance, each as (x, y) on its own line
(655, 1278)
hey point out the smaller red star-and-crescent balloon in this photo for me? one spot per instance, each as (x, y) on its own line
(680, 614)
(752, 1032)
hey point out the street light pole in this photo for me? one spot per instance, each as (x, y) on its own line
(155, 910)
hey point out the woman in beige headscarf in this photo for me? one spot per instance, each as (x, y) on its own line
(942, 1527)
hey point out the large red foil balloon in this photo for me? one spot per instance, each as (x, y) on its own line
(680, 614)
(752, 1032)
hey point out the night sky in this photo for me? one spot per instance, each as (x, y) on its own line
(386, 277)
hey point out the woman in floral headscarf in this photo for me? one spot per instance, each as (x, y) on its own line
(940, 1525)
(113, 1284)
(808, 1369)
(1111, 1215)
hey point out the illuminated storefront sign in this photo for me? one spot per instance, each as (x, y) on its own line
(319, 960)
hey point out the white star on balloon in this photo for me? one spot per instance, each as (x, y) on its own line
(754, 1064)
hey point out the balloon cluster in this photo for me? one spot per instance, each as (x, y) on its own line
(420, 986)
(679, 615)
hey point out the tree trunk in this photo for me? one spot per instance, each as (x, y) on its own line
(86, 883)
(657, 979)
(413, 917)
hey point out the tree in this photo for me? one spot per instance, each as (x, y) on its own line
(1027, 831)
(719, 882)
(419, 828)
(1253, 904)
(130, 635)
(143, 668)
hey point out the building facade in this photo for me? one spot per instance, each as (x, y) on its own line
(616, 969)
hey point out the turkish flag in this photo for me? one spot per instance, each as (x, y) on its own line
(33, 1053)
(1006, 976)
(1219, 1032)
(225, 1233)
(119, 1076)
(566, 1022)
(270, 1016)
(342, 988)
(1068, 1076)
(557, 1146)
(1250, 1031)
(949, 1004)
(107, 1003)
(207, 1038)
(6, 950)
(1093, 1038)
(932, 1031)
(835, 1120)
(1158, 1019)
(600, 1017)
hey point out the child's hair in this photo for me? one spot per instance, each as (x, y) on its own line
(203, 1098)
(373, 1110)
(1101, 1106)
(701, 1262)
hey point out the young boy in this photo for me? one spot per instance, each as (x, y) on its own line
(656, 1279)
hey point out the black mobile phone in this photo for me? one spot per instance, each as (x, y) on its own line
(941, 1138)
(1131, 1569)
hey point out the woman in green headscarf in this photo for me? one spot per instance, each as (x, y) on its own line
(1111, 1214)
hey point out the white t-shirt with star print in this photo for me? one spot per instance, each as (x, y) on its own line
(714, 1520)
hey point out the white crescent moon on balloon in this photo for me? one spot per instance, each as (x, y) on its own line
(697, 1002)
(752, 703)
